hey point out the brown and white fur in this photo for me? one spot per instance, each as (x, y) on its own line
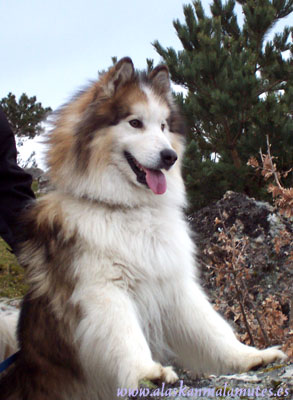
(110, 261)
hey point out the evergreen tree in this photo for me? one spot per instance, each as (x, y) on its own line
(25, 115)
(239, 89)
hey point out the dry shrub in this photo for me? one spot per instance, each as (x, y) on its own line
(272, 326)
(260, 323)
(283, 197)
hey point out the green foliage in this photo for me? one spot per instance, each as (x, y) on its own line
(150, 64)
(239, 89)
(25, 115)
(11, 274)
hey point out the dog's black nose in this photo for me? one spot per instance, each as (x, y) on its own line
(168, 158)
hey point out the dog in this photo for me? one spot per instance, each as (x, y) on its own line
(109, 257)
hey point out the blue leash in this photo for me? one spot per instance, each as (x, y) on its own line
(10, 360)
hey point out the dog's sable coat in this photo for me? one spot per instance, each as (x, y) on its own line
(109, 257)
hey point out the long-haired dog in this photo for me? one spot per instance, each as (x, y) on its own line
(110, 261)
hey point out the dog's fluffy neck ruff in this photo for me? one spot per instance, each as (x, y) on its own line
(173, 198)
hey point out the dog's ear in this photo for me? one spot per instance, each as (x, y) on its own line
(159, 77)
(117, 76)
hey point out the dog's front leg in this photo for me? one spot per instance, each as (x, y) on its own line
(113, 348)
(204, 341)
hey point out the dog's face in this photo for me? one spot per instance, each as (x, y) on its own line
(123, 134)
(144, 140)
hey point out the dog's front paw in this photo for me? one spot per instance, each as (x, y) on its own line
(168, 375)
(262, 357)
(165, 374)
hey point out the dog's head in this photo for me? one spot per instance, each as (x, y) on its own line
(121, 140)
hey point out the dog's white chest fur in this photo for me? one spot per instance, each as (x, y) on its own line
(130, 246)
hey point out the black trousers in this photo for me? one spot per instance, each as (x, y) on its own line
(15, 185)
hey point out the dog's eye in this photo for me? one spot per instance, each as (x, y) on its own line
(135, 123)
(163, 127)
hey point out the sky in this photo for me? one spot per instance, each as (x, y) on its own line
(51, 48)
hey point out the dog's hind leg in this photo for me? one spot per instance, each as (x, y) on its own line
(114, 350)
(8, 322)
(204, 342)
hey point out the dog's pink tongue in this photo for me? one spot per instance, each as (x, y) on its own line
(156, 181)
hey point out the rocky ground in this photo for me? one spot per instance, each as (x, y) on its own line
(268, 253)
(275, 381)
(246, 258)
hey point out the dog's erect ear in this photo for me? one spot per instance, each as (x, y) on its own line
(160, 78)
(121, 73)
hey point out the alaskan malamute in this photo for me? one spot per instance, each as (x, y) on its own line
(110, 261)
